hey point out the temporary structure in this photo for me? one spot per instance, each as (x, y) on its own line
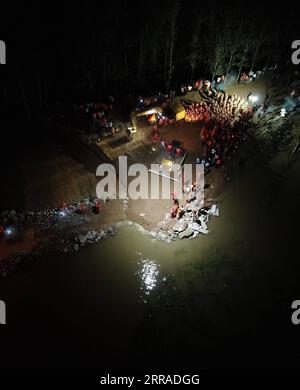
(135, 114)
(178, 109)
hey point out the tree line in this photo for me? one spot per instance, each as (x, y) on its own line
(79, 52)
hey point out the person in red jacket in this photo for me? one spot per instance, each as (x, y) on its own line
(82, 207)
(169, 148)
(98, 207)
(62, 206)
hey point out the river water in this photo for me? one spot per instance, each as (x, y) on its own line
(131, 301)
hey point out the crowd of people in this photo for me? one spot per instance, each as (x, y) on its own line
(160, 121)
(197, 112)
(218, 114)
(228, 108)
(219, 136)
(98, 115)
(222, 108)
(159, 100)
(163, 120)
(248, 77)
(221, 118)
(157, 119)
(93, 108)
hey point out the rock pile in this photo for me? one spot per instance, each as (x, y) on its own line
(191, 222)
(92, 236)
(66, 245)
(47, 218)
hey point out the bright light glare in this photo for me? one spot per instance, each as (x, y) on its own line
(253, 98)
(9, 231)
(283, 112)
(148, 273)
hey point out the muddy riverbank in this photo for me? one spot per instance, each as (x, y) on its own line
(219, 301)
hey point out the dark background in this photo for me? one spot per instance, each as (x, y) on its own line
(80, 51)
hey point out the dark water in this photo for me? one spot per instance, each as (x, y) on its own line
(221, 300)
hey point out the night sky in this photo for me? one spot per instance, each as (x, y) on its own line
(80, 51)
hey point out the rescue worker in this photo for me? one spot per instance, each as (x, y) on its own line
(62, 206)
(98, 207)
(82, 207)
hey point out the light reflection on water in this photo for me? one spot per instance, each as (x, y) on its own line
(148, 272)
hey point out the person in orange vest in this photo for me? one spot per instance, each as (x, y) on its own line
(218, 160)
(169, 148)
(178, 152)
(155, 137)
(98, 207)
(174, 211)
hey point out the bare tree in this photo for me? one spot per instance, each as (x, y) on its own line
(257, 47)
(24, 100)
(141, 56)
(171, 41)
(234, 46)
(195, 55)
(241, 64)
